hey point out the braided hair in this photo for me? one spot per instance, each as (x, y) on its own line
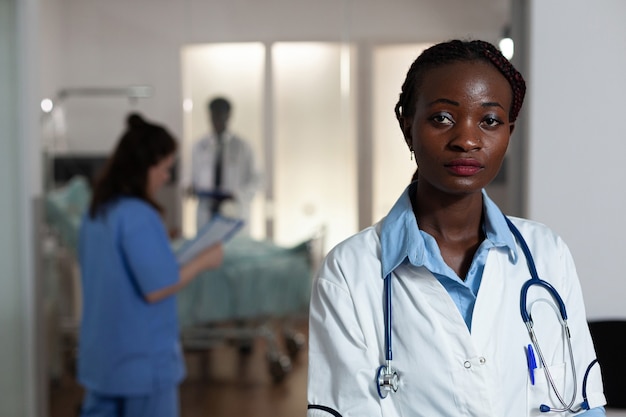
(454, 51)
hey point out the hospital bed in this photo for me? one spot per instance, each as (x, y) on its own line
(260, 287)
(62, 208)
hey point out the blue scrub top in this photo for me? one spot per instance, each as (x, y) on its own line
(127, 346)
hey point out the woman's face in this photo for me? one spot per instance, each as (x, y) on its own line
(159, 174)
(460, 130)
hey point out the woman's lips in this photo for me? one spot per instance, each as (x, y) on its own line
(464, 167)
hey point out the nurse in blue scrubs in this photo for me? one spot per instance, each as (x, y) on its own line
(129, 359)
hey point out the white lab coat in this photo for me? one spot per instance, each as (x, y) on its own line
(239, 174)
(444, 370)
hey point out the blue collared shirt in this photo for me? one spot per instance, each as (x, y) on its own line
(401, 240)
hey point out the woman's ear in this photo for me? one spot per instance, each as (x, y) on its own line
(511, 128)
(406, 125)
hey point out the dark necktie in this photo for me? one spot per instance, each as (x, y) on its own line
(215, 206)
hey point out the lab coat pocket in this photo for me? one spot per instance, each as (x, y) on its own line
(541, 392)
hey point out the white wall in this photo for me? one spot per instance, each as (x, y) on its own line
(577, 141)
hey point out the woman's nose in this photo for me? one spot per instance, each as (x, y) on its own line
(467, 137)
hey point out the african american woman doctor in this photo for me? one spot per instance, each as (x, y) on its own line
(434, 310)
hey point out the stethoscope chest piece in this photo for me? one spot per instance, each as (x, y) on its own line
(388, 380)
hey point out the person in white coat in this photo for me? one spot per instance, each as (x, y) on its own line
(223, 170)
(422, 313)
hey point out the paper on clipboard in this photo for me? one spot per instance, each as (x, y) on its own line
(218, 229)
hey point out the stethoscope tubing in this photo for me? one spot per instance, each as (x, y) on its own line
(388, 320)
(527, 318)
(548, 374)
(534, 278)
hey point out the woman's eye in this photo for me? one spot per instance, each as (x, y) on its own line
(442, 119)
(491, 121)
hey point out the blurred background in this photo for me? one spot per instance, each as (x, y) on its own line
(313, 86)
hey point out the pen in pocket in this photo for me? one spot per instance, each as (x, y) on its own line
(532, 363)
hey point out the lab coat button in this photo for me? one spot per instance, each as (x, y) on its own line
(482, 360)
(467, 364)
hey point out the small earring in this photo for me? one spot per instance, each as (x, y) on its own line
(412, 154)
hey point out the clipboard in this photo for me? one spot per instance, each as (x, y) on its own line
(218, 229)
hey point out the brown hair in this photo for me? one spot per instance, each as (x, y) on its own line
(125, 173)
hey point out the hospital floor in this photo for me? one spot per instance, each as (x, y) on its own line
(221, 382)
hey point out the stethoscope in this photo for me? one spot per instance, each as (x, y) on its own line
(388, 380)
